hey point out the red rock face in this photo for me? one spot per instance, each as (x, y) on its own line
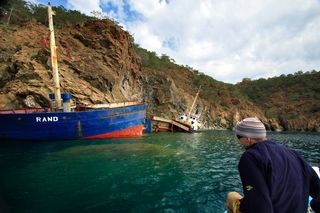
(97, 63)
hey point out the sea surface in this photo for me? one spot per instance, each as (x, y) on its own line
(160, 172)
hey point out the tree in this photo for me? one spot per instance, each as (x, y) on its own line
(98, 14)
(246, 80)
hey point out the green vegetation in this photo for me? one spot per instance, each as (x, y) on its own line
(296, 87)
(19, 11)
(152, 61)
(210, 88)
(288, 96)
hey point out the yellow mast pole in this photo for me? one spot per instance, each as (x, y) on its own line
(54, 61)
(194, 101)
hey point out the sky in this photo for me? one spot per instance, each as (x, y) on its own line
(228, 40)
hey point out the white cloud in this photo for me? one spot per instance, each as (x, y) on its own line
(151, 41)
(84, 6)
(33, 1)
(147, 8)
(228, 40)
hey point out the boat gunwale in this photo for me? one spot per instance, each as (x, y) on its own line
(24, 111)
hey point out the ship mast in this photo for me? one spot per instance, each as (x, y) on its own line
(194, 101)
(54, 61)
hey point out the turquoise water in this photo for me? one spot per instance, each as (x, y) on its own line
(165, 172)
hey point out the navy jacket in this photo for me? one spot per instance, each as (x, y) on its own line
(276, 179)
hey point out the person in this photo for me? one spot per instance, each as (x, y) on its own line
(274, 178)
(315, 203)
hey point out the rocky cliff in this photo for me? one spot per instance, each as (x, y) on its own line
(98, 64)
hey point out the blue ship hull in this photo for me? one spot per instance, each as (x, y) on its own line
(126, 121)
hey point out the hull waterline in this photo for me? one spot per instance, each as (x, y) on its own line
(93, 124)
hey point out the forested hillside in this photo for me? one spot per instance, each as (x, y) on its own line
(293, 99)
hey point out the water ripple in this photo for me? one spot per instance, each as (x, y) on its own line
(156, 173)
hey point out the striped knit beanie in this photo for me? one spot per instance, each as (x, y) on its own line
(251, 127)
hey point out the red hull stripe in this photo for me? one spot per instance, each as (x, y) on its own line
(135, 131)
